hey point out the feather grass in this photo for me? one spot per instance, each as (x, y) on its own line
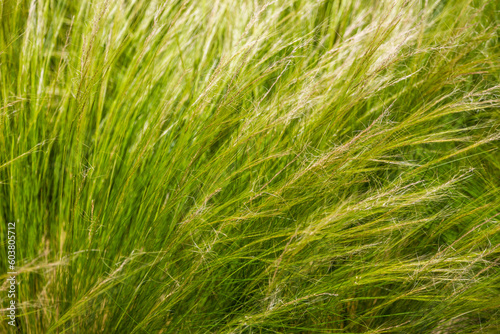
(251, 167)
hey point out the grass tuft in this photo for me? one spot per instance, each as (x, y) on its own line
(251, 167)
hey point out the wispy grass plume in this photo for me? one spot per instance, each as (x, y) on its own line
(246, 166)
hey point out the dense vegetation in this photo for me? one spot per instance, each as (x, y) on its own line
(251, 167)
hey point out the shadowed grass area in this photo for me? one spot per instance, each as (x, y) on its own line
(251, 167)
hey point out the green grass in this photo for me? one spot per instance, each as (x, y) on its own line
(250, 167)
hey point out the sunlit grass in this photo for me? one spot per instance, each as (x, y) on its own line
(251, 167)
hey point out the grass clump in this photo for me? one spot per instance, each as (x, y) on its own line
(251, 167)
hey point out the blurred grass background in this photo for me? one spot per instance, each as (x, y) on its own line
(251, 167)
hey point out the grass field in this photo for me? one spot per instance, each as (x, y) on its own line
(223, 166)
